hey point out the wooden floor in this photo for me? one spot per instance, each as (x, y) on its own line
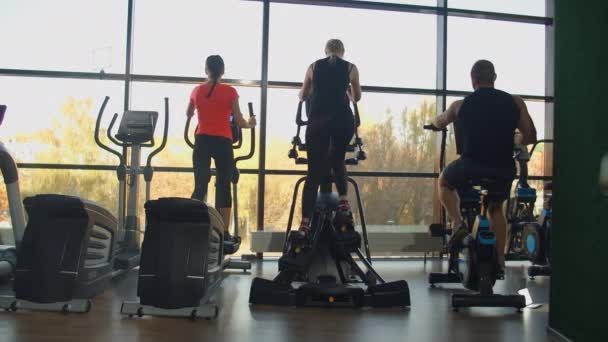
(429, 319)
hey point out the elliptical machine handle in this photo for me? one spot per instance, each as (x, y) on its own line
(432, 127)
(299, 120)
(186, 133)
(252, 144)
(165, 134)
(357, 117)
(109, 131)
(98, 124)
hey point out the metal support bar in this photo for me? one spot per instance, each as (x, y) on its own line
(263, 109)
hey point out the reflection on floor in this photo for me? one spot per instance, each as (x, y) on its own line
(429, 319)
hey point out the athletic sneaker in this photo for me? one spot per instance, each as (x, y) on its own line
(228, 238)
(500, 274)
(301, 233)
(344, 207)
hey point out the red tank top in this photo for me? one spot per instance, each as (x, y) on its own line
(214, 111)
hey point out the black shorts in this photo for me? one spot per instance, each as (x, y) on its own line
(463, 174)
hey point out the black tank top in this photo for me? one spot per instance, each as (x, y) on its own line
(485, 127)
(329, 83)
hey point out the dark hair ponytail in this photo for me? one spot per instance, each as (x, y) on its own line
(215, 68)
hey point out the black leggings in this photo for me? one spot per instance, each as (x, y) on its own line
(326, 142)
(220, 149)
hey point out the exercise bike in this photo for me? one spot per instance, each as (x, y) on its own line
(474, 261)
(528, 234)
(541, 265)
(71, 248)
(184, 253)
(328, 269)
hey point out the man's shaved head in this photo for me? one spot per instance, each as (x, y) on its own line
(483, 73)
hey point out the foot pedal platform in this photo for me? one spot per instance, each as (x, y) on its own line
(490, 301)
(207, 311)
(329, 295)
(444, 278)
(10, 303)
(268, 292)
(298, 262)
(243, 265)
(438, 230)
(387, 295)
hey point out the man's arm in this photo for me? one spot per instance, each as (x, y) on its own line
(525, 124)
(307, 85)
(444, 119)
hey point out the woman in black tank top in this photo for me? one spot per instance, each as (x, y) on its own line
(329, 85)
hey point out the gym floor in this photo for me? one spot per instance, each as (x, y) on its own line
(430, 317)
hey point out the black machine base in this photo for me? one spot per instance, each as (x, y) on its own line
(269, 292)
(494, 300)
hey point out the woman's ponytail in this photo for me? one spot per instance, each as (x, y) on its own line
(215, 69)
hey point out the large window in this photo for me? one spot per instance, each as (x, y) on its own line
(525, 7)
(150, 96)
(390, 48)
(390, 204)
(70, 35)
(173, 184)
(53, 120)
(517, 51)
(60, 58)
(97, 186)
(175, 37)
(391, 129)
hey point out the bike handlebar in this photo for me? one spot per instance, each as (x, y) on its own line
(542, 141)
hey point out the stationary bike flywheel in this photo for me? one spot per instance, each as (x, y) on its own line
(530, 241)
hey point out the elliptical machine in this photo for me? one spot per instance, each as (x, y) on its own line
(8, 253)
(71, 247)
(474, 263)
(184, 253)
(325, 263)
(528, 235)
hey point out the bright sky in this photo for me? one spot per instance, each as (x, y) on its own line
(173, 38)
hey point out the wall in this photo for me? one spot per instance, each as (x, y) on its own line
(579, 293)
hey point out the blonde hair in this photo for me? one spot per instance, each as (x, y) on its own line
(334, 48)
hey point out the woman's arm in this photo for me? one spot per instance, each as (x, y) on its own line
(239, 118)
(354, 91)
(190, 110)
(307, 85)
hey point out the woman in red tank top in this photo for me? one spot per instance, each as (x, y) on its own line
(214, 102)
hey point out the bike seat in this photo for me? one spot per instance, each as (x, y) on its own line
(493, 188)
(469, 196)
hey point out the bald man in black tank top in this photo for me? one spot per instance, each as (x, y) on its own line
(485, 123)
